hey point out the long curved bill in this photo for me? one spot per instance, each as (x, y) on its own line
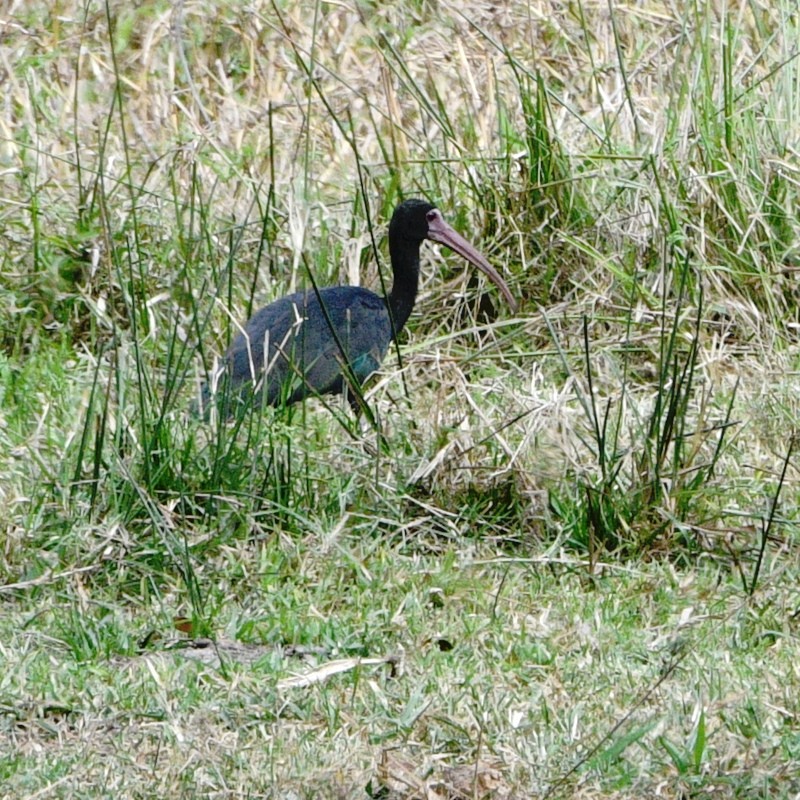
(440, 231)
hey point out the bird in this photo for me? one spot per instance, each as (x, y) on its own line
(330, 340)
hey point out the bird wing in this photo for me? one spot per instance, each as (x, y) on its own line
(360, 337)
(267, 333)
(299, 349)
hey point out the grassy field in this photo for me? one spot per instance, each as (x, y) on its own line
(563, 562)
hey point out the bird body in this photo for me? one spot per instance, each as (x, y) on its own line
(299, 349)
(313, 343)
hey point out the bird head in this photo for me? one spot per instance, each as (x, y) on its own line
(415, 220)
(410, 220)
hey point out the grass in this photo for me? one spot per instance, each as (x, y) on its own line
(572, 532)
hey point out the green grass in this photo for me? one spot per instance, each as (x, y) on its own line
(573, 530)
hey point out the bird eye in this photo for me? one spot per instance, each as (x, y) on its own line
(431, 215)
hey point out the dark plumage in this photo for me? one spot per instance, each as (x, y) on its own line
(296, 347)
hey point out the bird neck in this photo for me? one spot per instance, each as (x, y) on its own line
(405, 267)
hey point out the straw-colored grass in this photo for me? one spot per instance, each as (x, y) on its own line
(569, 561)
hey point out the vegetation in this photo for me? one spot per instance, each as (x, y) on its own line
(563, 562)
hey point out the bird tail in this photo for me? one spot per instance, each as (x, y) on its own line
(201, 405)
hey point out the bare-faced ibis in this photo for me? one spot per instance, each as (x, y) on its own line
(319, 342)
